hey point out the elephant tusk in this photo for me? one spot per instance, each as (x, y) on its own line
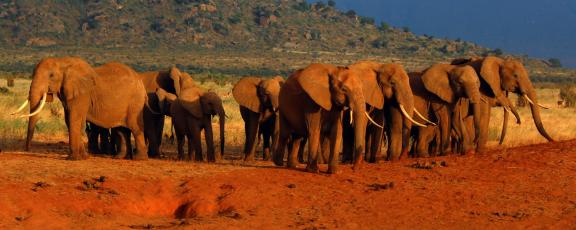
(373, 122)
(506, 108)
(532, 102)
(351, 118)
(410, 118)
(20, 108)
(423, 118)
(39, 109)
(484, 100)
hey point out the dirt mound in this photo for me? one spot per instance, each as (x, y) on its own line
(530, 186)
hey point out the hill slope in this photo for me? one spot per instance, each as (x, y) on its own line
(308, 32)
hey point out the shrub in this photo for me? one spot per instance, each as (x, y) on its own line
(367, 21)
(351, 13)
(302, 6)
(384, 26)
(331, 3)
(555, 63)
(568, 95)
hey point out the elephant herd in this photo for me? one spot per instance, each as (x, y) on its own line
(349, 110)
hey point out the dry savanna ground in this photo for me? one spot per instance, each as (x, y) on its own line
(531, 186)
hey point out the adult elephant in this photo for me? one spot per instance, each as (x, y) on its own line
(190, 119)
(389, 98)
(109, 96)
(311, 104)
(437, 92)
(172, 81)
(498, 78)
(258, 100)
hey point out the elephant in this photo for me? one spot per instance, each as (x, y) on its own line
(311, 103)
(258, 100)
(109, 96)
(172, 81)
(389, 98)
(190, 119)
(437, 92)
(498, 77)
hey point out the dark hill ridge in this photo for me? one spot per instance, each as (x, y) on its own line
(283, 29)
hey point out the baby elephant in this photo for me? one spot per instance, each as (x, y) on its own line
(190, 119)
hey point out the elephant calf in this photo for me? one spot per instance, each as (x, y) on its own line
(258, 100)
(189, 120)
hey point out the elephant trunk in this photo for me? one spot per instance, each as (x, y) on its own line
(504, 127)
(536, 114)
(35, 97)
(476, 110)
(358, 107)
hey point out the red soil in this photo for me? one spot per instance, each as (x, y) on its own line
(525, 187)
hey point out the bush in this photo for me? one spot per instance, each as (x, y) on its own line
(351, 13)
(568, 95)
(219, 28)
(380, 43)
(302, 6)
(384, 26)
(367, 21)
(235, 19)
(555, 63)
(331, 3)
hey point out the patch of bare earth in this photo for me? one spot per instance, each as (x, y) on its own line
(531, 186)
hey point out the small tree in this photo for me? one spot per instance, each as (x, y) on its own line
(555, 63)
(498, 52)
(351, 13)
(384, 26)
(406, 29)
(367, 21)
(332, 3)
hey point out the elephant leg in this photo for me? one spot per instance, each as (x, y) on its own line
(368, 143)
(324, 151)
(180, 146)
(252, 136)
(153, 132)
(121, 145)
(292, 154)
(105, 144)
(424, 138)
(136, 125)
(76, 120)
(442, 113)
(313, 123)
(283, 138)
(197, 142)
(395, 135)
(335, 144)
(301, 150)
(209, 138)
(484, 127)
(266, 134)
(93, 139)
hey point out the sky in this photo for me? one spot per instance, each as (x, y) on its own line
(539, 28)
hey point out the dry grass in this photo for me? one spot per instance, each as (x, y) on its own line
(558, 121)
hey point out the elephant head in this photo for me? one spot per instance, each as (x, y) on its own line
(68, 78)
(257, 94)
(386, 83)
(333, 87)
(509, 75)
(450, 83)
(211, 106)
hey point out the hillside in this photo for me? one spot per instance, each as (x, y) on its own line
(95, 29)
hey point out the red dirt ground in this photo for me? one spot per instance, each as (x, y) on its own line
(525, 187)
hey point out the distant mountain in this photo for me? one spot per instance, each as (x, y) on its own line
(292, 26)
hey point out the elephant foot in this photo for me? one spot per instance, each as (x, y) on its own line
(292, 164)
(76, 157)
(266, 155)
(312, 169)
(469, 153)
(139, 157)
(279, 162)
(333, 170)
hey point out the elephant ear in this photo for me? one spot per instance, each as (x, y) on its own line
(490, 73)
(190, 101)
(77, 79)
(370, 87)
(315, 80)
(164, 98)
(176, 75)
(245, 92)
(436, 80)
